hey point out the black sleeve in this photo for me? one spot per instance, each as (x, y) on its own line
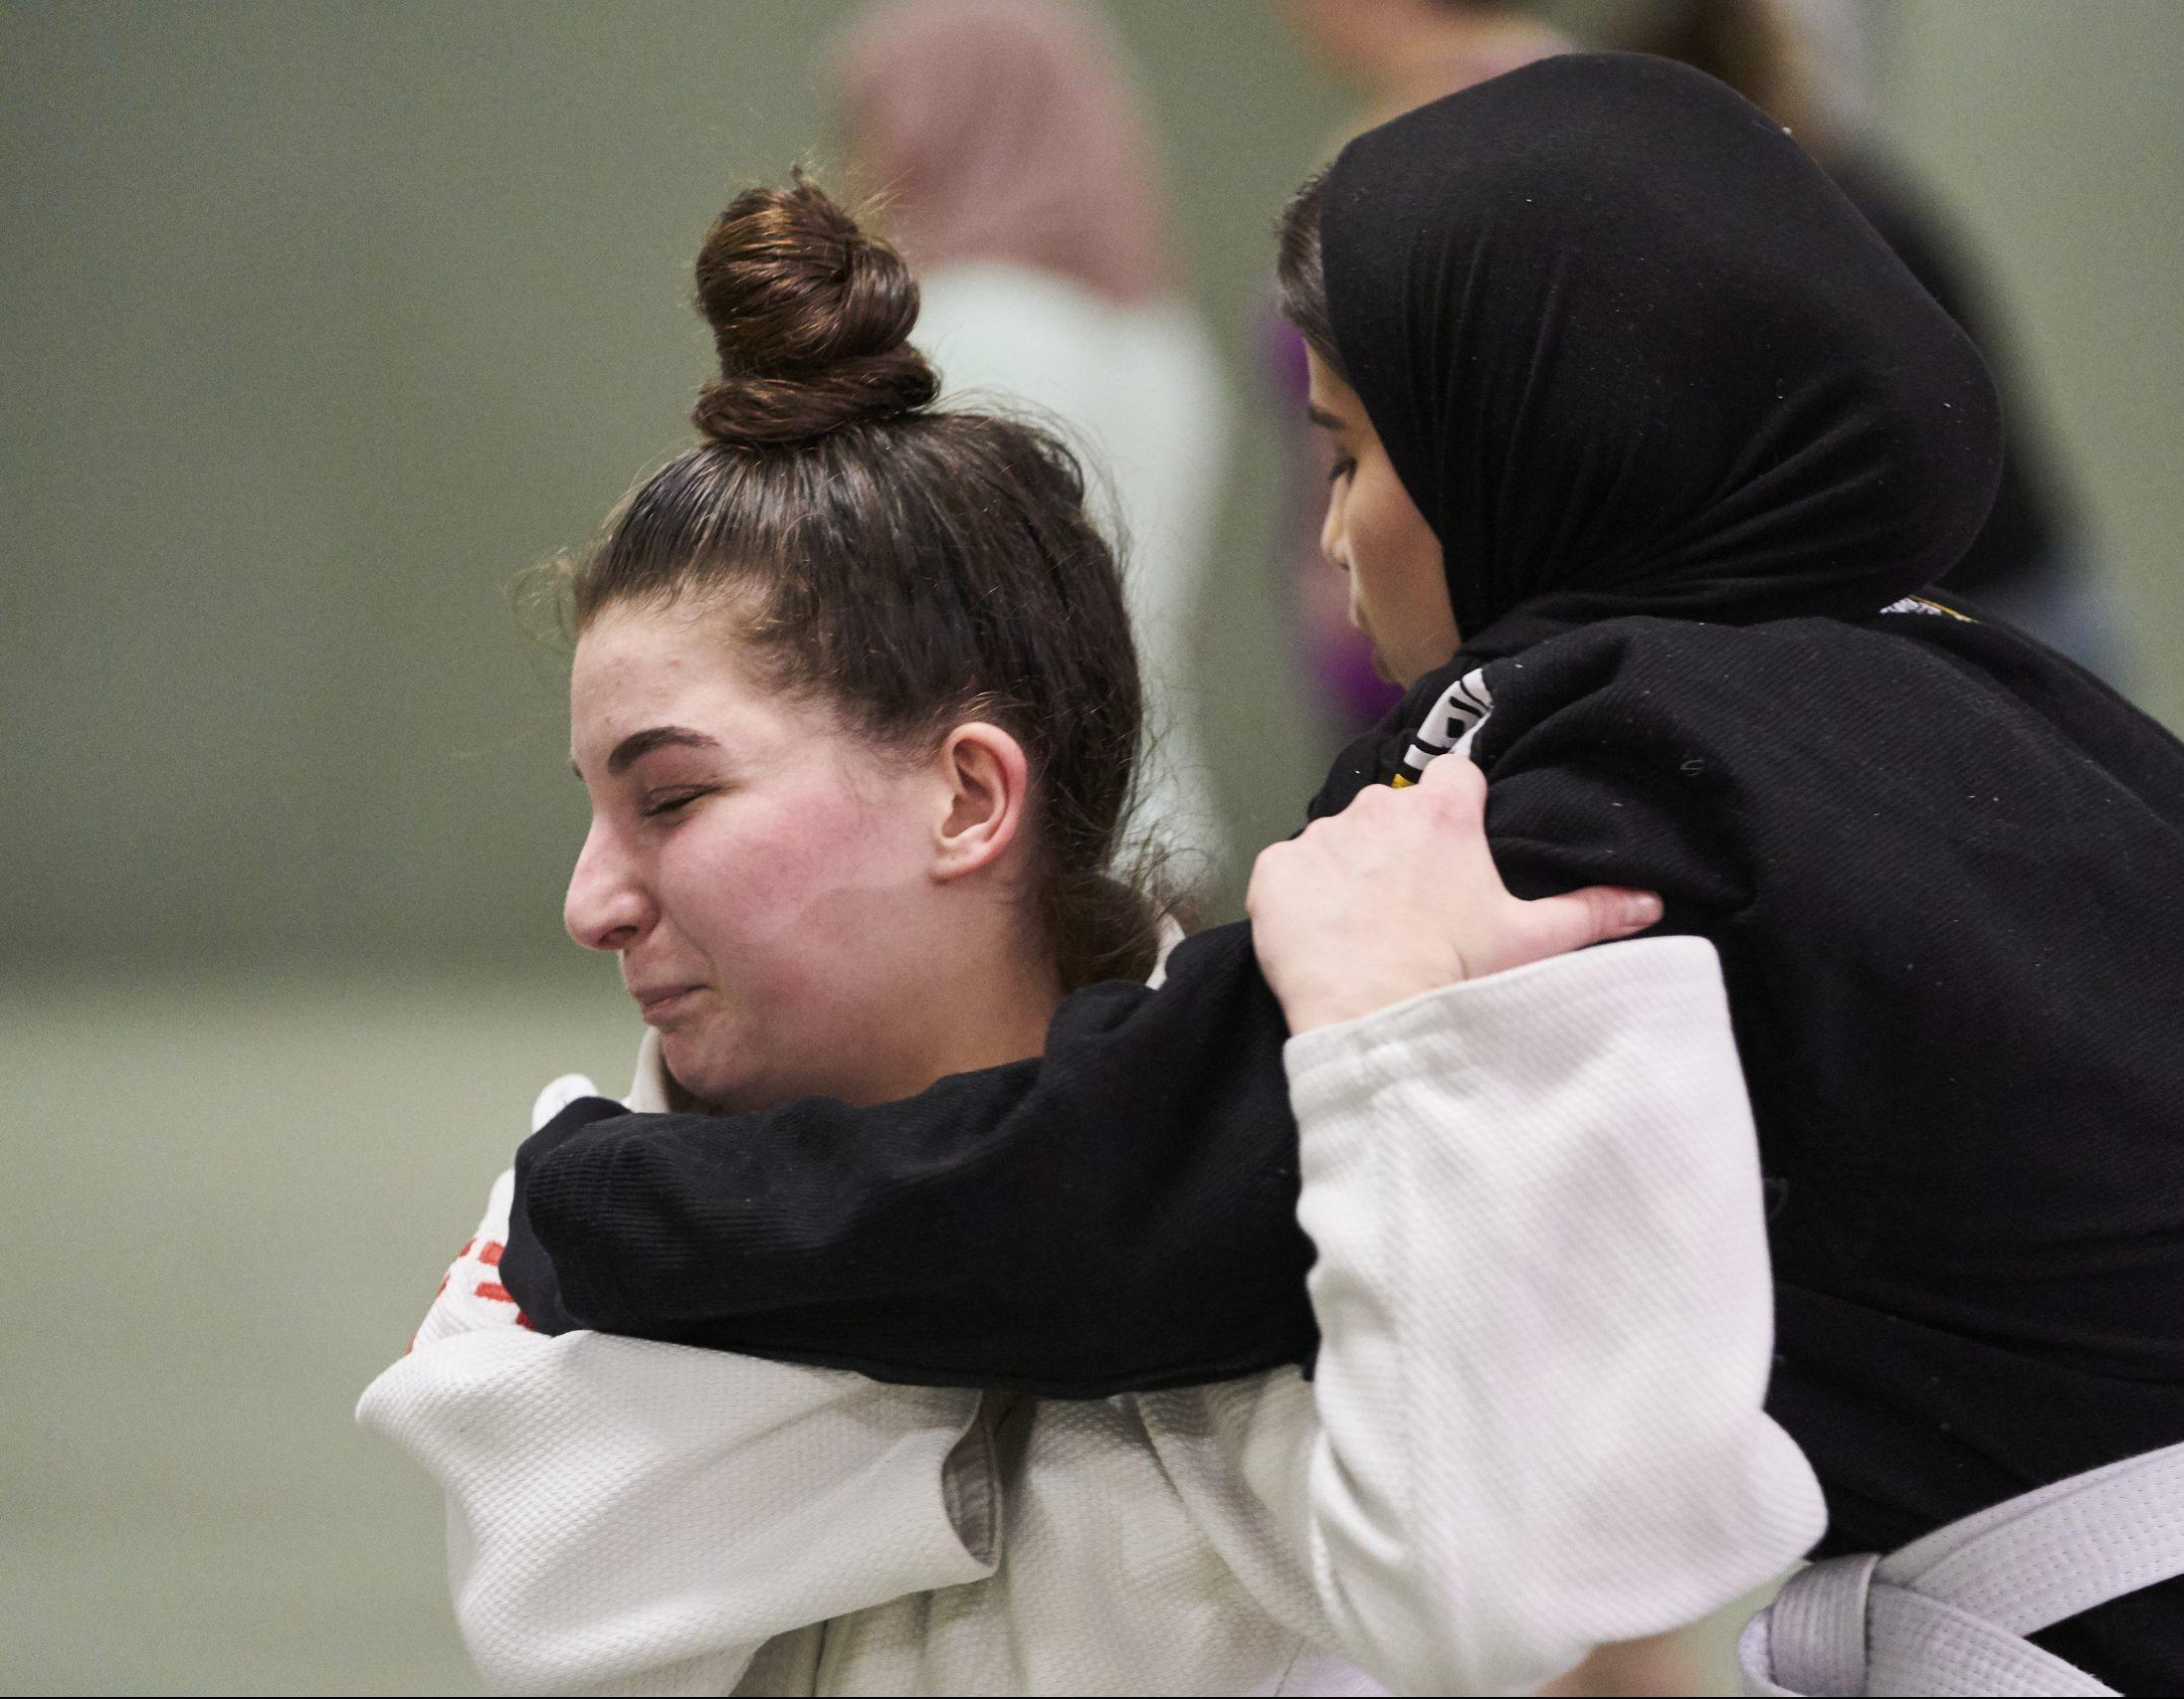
(1117, 1215)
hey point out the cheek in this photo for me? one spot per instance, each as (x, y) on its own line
(808, 913)
(778, 889)
(1381, 522)
(1394, 553)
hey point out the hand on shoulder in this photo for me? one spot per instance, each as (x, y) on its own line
(1398, 895)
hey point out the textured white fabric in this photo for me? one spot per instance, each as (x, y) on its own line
(1544, 1291)
(470, 1293)
(1535, 1422)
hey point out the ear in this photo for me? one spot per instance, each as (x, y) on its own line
(987, 780)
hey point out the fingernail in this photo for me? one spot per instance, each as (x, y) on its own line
(1642, 908)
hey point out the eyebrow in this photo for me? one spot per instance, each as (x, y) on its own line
(1326, 420)
(639, 744)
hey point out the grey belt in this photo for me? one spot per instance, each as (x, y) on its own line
(1948, 1615)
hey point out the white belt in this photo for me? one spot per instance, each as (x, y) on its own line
(1948, 1613)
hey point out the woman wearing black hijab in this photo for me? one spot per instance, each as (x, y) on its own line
(1680, 441)
(1674, 442)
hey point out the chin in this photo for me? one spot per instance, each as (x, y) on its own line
(705, 1068)
(733, 1078)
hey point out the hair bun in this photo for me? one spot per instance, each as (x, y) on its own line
(811, 317)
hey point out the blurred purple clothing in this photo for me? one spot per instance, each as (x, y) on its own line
(1330, 653)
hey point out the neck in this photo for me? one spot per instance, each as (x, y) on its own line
(1005, 1022)
(978, 1018)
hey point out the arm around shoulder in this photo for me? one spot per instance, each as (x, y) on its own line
(1022, 1228)
(1544, 1295)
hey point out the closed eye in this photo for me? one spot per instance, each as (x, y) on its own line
(1341, 469)
(662, 802)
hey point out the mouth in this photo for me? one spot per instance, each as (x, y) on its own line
(656, 1003)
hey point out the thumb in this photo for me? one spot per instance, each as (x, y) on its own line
(1555, 925)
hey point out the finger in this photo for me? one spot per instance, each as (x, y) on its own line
(1456, 775)
(1367, 801)
(1454, 792)
(1555, 925)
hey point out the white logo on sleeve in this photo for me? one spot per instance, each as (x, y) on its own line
(1449, 726)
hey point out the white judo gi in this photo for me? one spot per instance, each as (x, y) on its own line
(1535, 1422)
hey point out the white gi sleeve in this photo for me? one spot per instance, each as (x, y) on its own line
(629, 1516)
(1547, 1321)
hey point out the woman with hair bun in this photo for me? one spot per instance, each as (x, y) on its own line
(856, 705)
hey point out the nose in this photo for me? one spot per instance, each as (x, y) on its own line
(1333, 539)
(607, 906)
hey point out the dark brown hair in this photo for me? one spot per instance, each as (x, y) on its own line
(905, 566)
(1301, 276)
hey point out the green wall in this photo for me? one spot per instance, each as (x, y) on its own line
(322, 322)
(326, 320)
(2055, 131)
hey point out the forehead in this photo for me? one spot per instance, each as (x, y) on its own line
(638, 668)
(1331, 396)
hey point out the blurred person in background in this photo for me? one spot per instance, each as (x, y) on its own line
(1393, 55)
(1017, 166)
(1806, 64)
(1400, 53)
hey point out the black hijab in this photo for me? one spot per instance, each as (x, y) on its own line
(1631, 351)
